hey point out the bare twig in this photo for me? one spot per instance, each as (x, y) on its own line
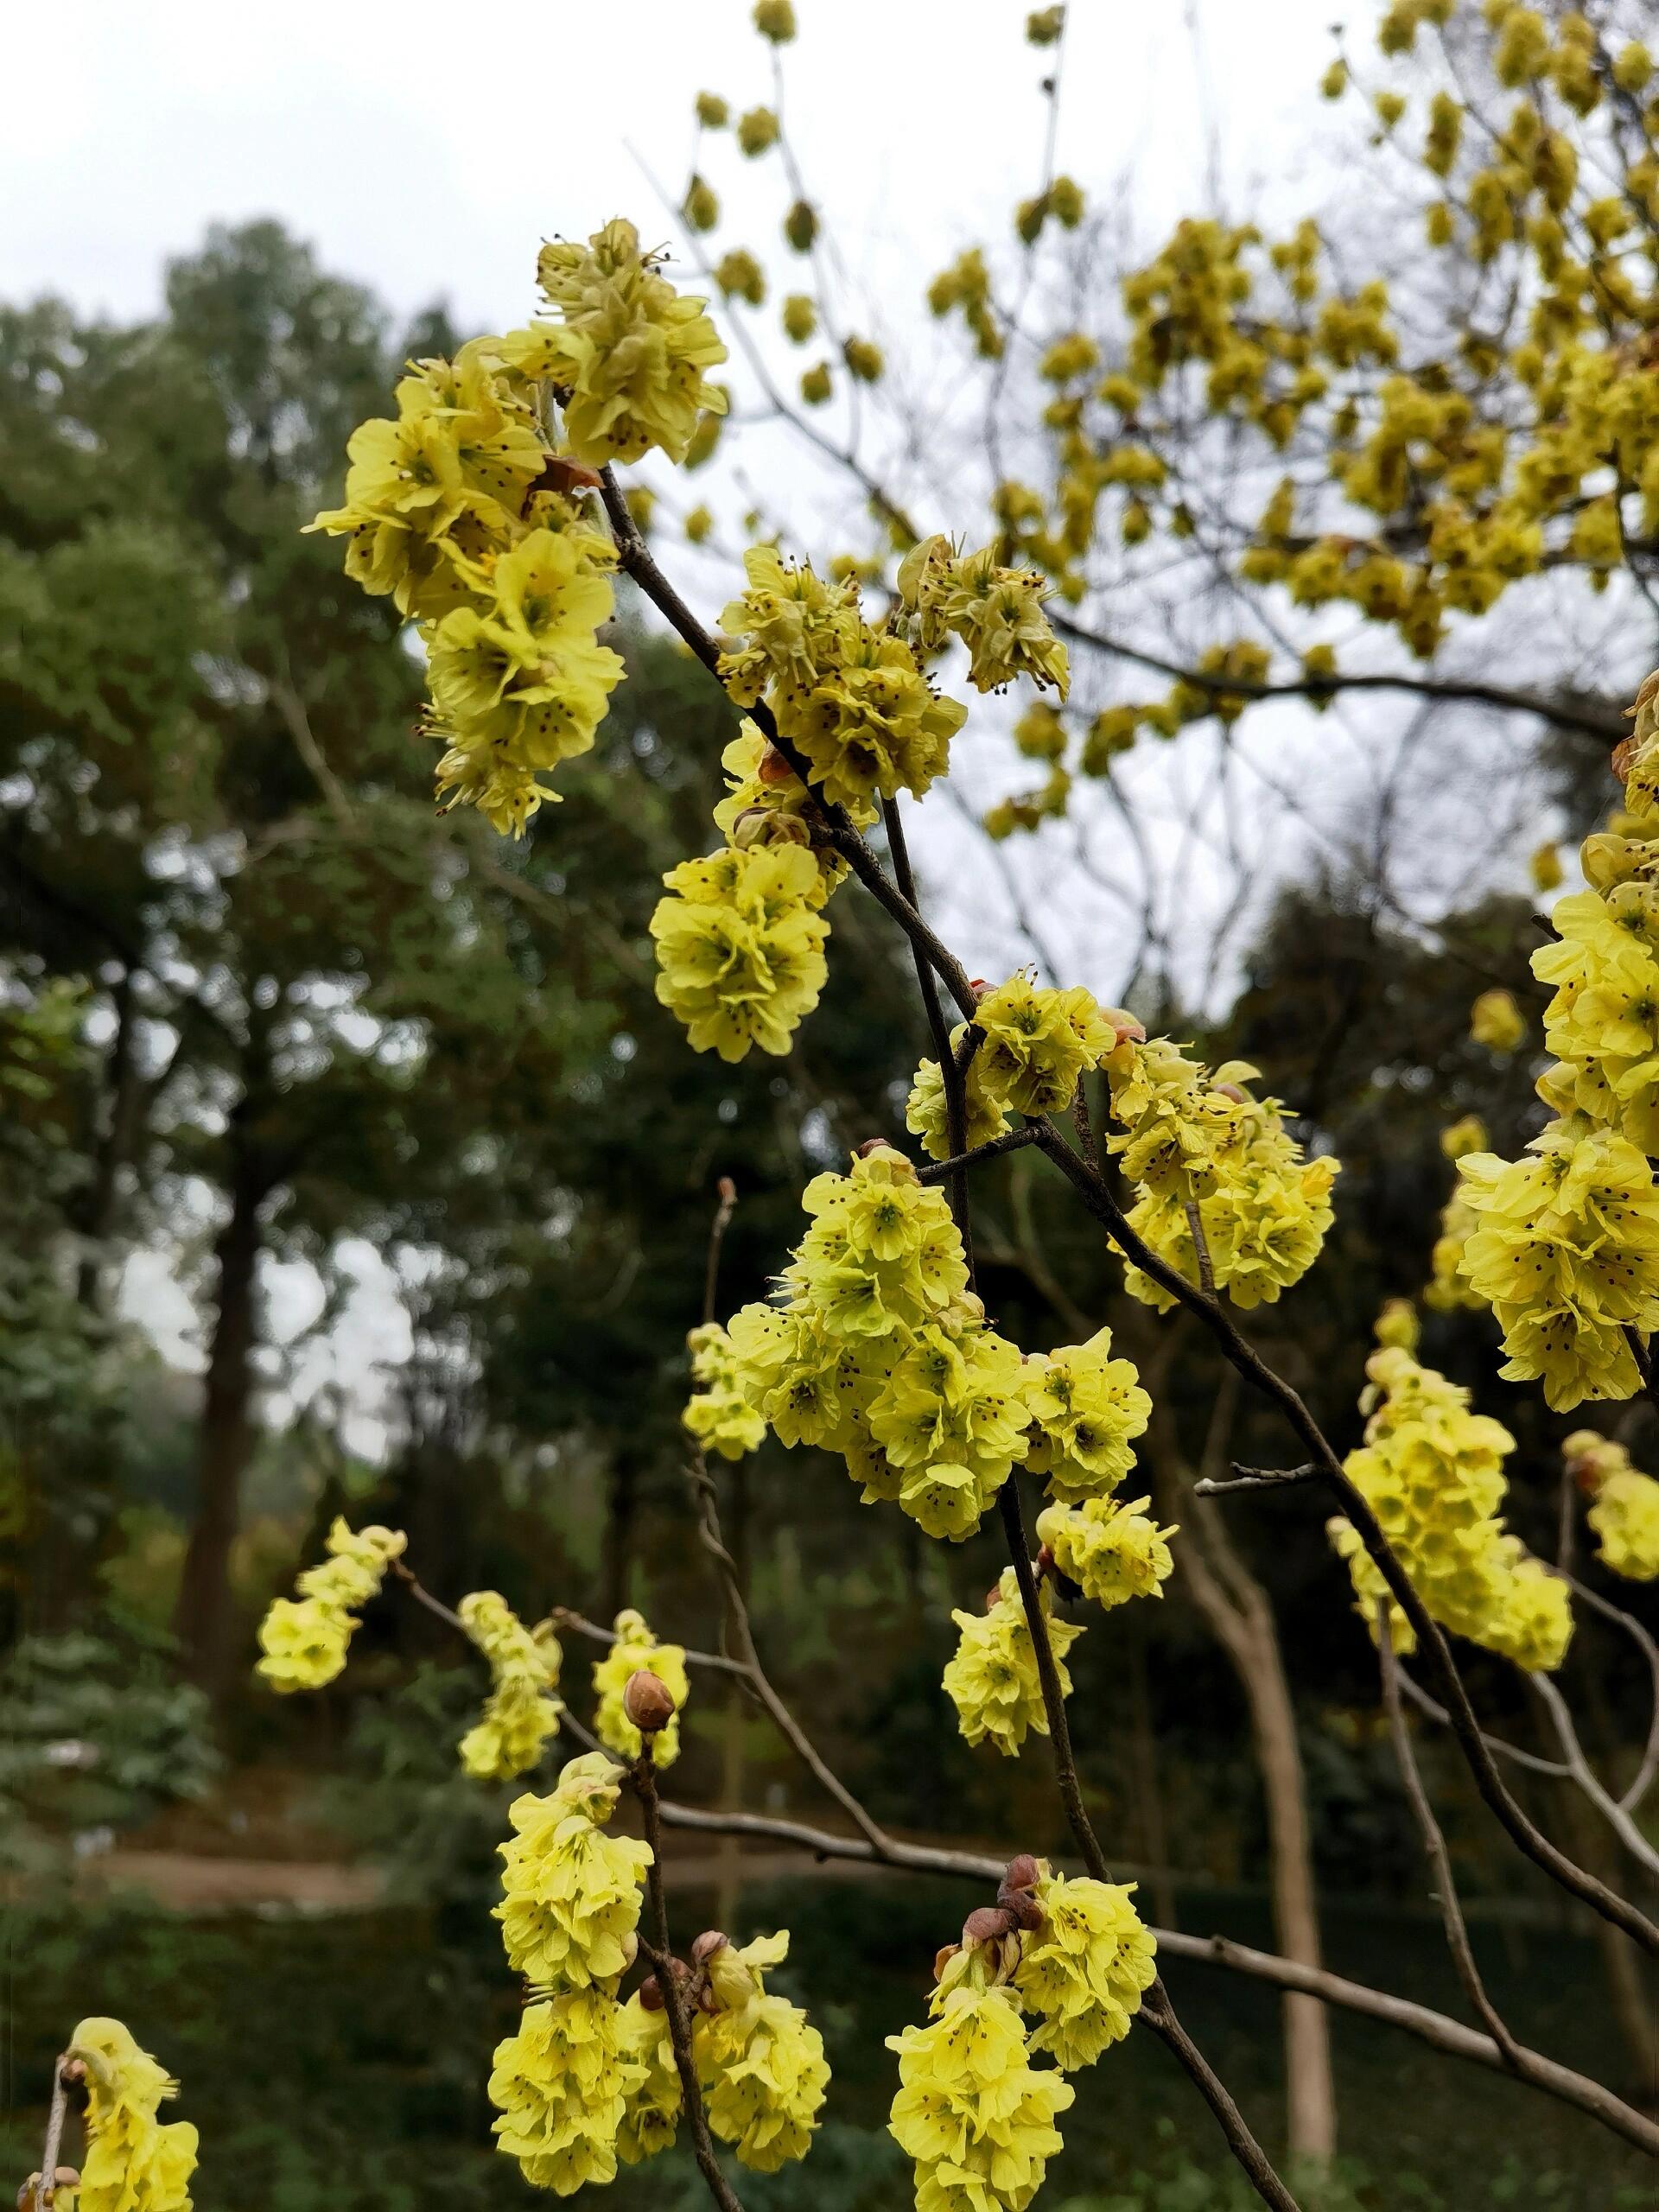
(644, 1774)
(1585, 1776)
(1255, 1479)
(66, 2070)
(1649, 1649)
(940, 1171)
(1436, 2028)
(1439, 1859)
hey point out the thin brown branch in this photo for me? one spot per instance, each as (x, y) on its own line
(65, 2071)
(1649, 1650)
(1436, 2028)
(940, 1171)
(644, 1774)
(1244, 1477)
(1587, 1780)
(1431, 1639)
(1435, 1850)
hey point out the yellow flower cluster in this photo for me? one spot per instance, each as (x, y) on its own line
(879, 1351)
(1433, 1474)
(524, 1707)
(760, 2060)
(457, 508)
(132, 2163)
(971, 2110)
(1566, 1252)
(1087, 1408)
(627, 356)
(1108, 1547)
(1199, 1149)
(637, 1651)
(740, 947)
(1038, 1043)
(717, 1414)
(304, 1638)
(852, 700)
(992, 1677)
(997, 613)
(571, 1892)
(654, 2097)
(561, 2084)
(1084, 1969)
(1623, 1503)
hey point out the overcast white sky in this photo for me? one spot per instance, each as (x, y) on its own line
(426, 149)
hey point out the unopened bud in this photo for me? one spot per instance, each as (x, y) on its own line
(773, 768)
(650, 1996)
(987, 1923)
(1023, 1872)
(993, 1598)
(1125, 1028)
(728, 1191)
(1231, 1090)
(646, 1702)
(707, 1944)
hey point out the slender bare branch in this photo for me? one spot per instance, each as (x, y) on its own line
(1439, 1859)
(644, 1775)
(1623, 1826)
(1255, 1479)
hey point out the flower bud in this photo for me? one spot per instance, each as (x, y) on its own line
(707, 1944)
(650, 1996)
(773, 768)
(1023, 1872)
(646, 1702)
(941, 1958)
(1231, 1090)
(987, 1923)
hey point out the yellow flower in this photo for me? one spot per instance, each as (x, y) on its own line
(570, 1893)
(1111, 1550)
(971, 2110)
(561, 2085)
(524, 1707)
(1083, 1972)
(1567, 1254)
(1496, 1022)
(305, 1640)
(1087, 1408)
(132, 2164)
(1624, 1505)
(629, 352)
(717, 1414)
(739, 947)
(760, 2062)
(654, 2097)
(775, 20)
(637, 1651)
(757, 130)
(992, 1677)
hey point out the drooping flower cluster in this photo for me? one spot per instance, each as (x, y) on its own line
(740, 947)
(854, 700)
(1206, 1156)
(1431, 1471)
(760, 2060)
(461, 509)
(626, 357)
(132, 2163)
(878, 1350)
(1624, 1504)
(971, 2110)
(637, 1651)
(1109, 1548)
(992, 1677)
(717, 1414)
(524, 1707)
(1565, 1243)
(569, 1911)
(1087, 1408)
(1084, 1970)
(1566, 1252)
(570, 1893)
(1038, 1043)
(303, 1639)
(996, 611)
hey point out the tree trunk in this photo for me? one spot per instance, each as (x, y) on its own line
(203, 1621)
(111, 1148)
(1239, 1611)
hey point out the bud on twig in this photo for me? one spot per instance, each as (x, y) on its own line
(707, 1944)
(987, 1923)
(646, 1702)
